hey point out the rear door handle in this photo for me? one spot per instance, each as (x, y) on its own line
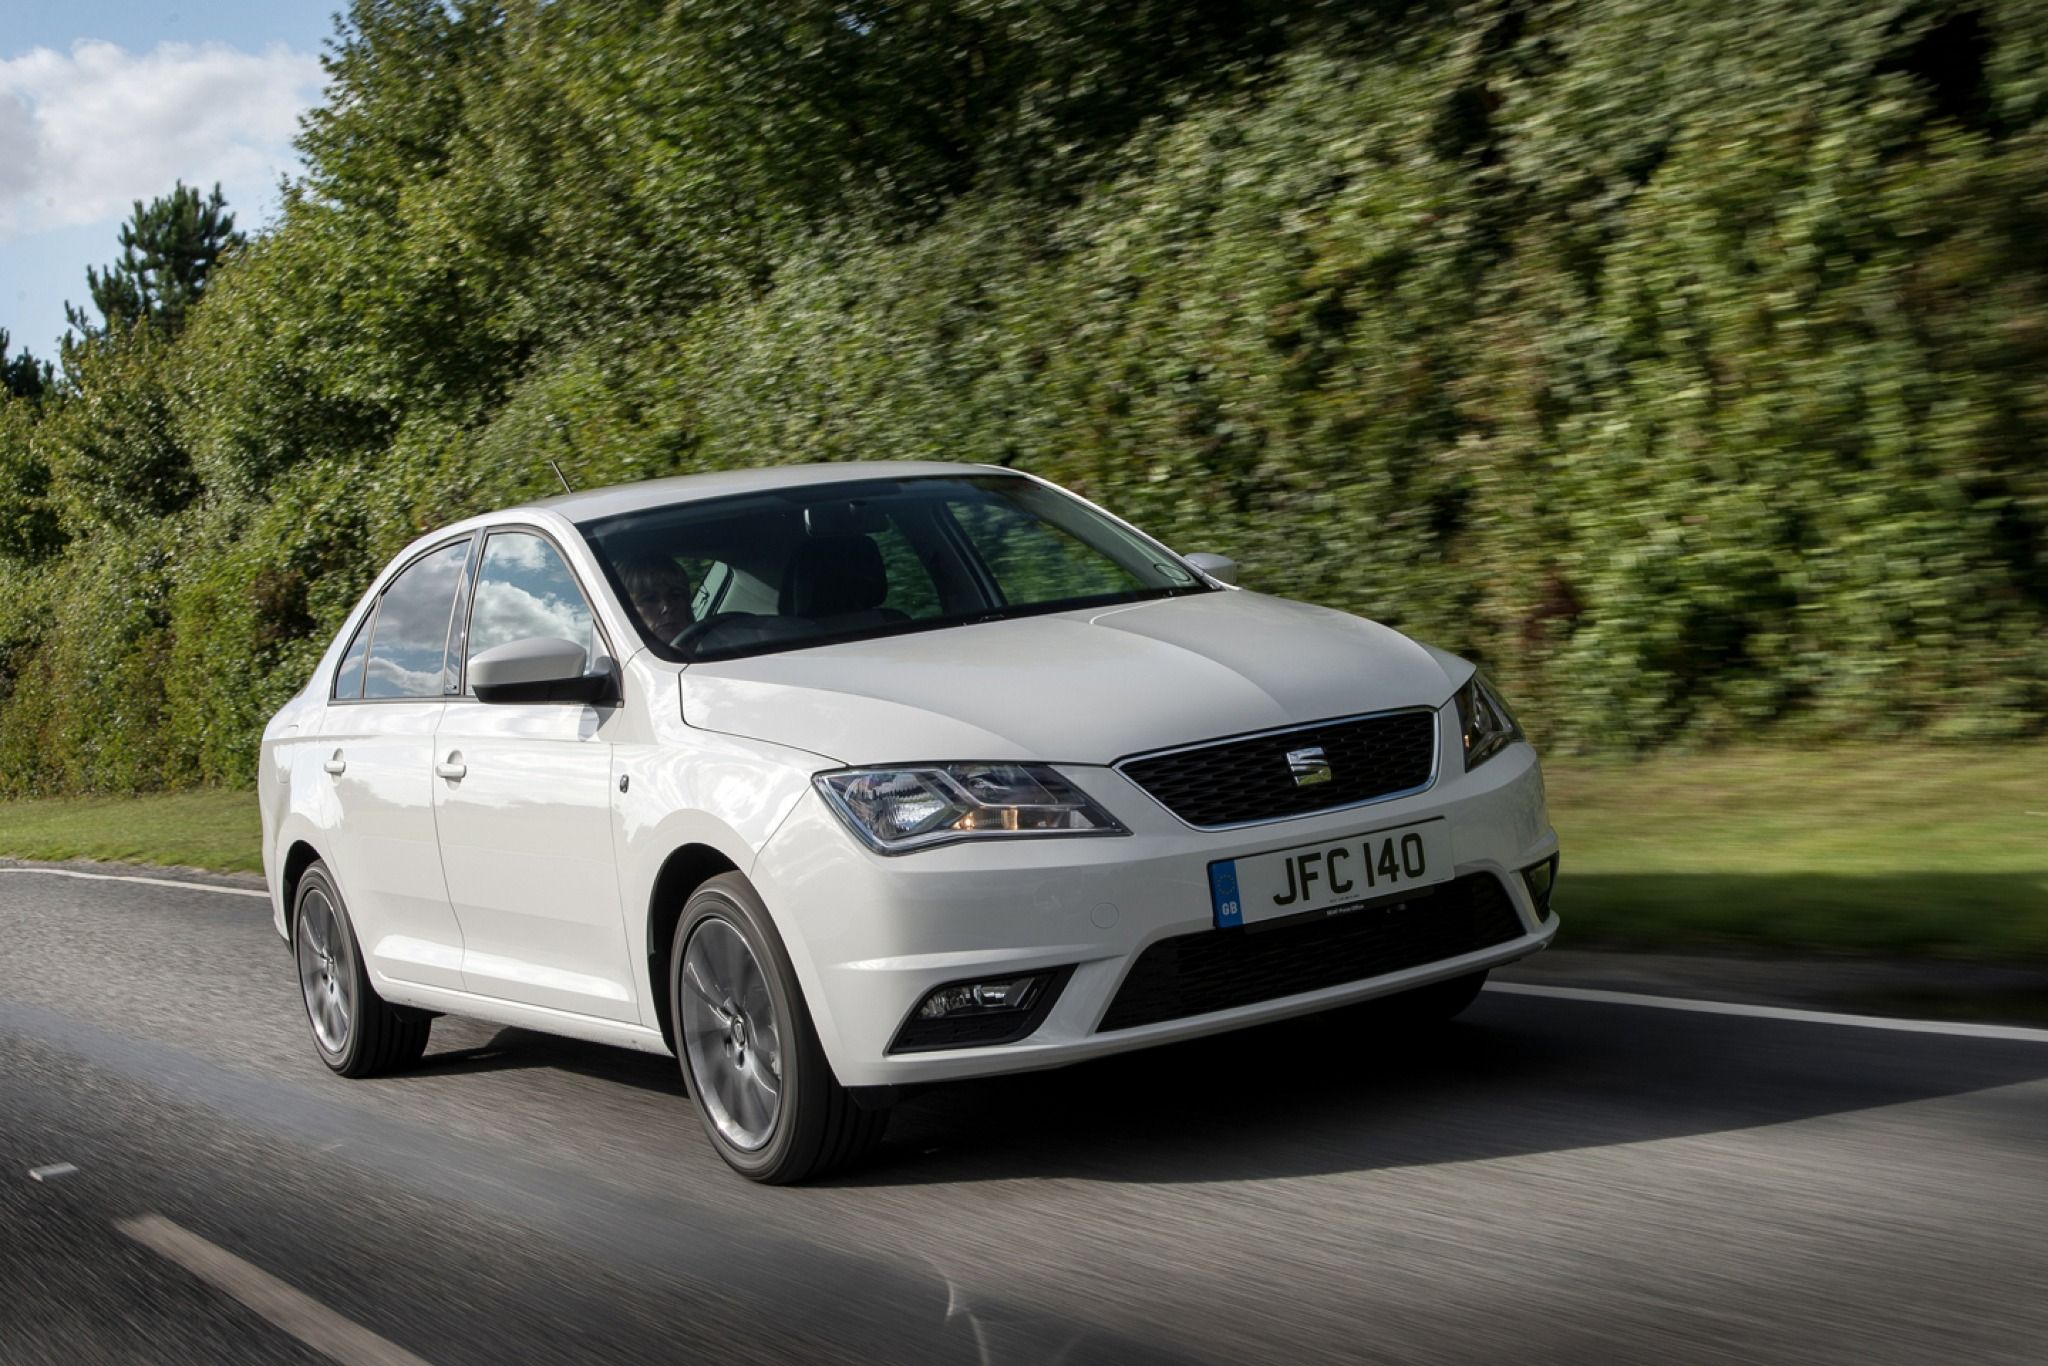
(337, 765)
(452, 768)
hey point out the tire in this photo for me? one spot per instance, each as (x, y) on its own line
(757, 1076)
(1437, 1003)
(354, 1031)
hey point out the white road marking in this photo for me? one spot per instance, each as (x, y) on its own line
(2016, 1033)
(56, 1171)
(304, 1317)
(145, 881)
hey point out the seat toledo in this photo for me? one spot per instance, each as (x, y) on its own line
(838, 780)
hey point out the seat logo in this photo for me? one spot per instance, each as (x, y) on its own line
(1309, 766)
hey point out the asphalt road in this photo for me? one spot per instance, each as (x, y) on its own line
(1545, 1181)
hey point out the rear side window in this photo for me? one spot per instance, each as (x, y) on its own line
(348, 679)
(523, 590)
(409, 635)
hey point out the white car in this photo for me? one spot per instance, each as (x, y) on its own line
(839, 780)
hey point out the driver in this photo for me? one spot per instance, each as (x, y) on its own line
(661, 592)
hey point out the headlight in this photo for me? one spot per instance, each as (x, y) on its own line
(1485, 722)
(899, 809)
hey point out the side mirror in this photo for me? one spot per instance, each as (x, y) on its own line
(1221, 568)
(541, 669)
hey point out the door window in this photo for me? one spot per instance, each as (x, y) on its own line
(523, 590)
(409, 636)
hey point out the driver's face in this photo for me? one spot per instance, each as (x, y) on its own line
(666, 605)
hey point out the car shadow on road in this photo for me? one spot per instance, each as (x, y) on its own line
(483, 1048)
(1357, 1090)
(1352, 1090)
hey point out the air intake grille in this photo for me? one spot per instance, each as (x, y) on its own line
(1235, 782)
(1195, 974)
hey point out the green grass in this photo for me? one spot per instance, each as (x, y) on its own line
(1892, 849)
(1877, 849)
(214, 829)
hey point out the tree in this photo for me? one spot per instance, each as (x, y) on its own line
(169, 248)
(22, 376)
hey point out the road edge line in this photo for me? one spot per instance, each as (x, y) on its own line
(144, 881)
(1959, 1028)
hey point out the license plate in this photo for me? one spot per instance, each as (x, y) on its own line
(1330, 876)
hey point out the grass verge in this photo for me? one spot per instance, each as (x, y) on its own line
(1890, 849)
(1877, 849)
(218, 830)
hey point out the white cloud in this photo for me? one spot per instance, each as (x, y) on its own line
(83, 134)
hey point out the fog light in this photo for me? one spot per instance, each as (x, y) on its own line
(1541, 877)
(974, 998)
(975, 1014)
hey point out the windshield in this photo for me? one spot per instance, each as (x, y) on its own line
(728, 577)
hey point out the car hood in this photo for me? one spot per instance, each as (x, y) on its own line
(1087, 687)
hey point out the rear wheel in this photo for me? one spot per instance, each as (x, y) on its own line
(757, 1076)
(355, 1032)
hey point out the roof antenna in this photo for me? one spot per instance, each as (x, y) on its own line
(558, 473)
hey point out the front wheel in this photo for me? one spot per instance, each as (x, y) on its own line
(757, 1076)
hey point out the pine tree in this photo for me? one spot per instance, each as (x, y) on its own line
(168, 249)
(22, 375)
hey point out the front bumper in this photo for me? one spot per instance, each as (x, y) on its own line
(871, 935)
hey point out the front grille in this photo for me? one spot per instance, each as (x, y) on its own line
(1210, 970)
(1234, 782)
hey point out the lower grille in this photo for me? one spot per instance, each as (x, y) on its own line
(1210, 970)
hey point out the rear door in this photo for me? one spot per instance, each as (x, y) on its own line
(522, 793)
(377, 749)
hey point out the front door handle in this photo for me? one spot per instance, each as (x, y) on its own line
(452, 768)
(337, 765)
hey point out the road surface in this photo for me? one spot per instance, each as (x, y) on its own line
(1548, 1180)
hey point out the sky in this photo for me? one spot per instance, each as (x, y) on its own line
(104, 102)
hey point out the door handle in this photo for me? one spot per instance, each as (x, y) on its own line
(337, 765)
(452, 768)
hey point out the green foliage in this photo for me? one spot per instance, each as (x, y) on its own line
(1689, 367)
(29, 528)
(111, 446)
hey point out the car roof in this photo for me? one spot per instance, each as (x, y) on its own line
(595, 504)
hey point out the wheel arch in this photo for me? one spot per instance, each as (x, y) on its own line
(297, 859)
(686, 868)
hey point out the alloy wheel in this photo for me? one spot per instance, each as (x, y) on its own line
(326, 971)
(731, 1034)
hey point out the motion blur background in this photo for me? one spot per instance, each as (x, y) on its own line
(1686, 364)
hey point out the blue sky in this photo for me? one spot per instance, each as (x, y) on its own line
(103, 102)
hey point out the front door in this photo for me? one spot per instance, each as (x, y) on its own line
(522, 797)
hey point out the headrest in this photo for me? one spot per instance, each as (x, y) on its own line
(833, 575)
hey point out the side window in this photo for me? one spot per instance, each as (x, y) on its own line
(348, 676)
(409, 634)
(523, 589)
(1035, 561)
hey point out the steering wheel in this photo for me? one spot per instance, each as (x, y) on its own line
(690, 635)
